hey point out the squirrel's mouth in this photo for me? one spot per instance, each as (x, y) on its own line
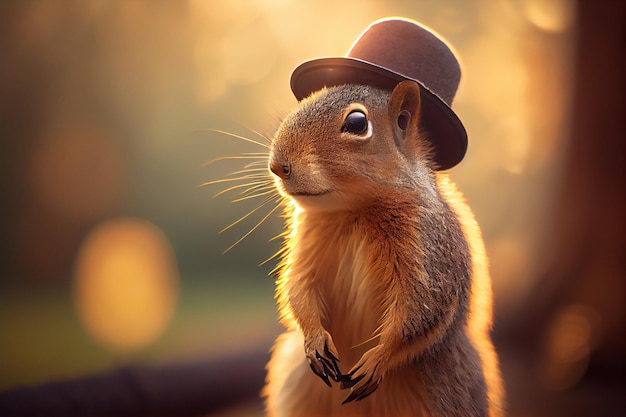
(310, 194)
(328, 200)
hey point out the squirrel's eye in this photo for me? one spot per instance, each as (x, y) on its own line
(356, 122)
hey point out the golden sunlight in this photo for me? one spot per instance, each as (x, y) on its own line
(126, 283)
(550, 15)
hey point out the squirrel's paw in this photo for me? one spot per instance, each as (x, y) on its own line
(323, 357)
(363, 378)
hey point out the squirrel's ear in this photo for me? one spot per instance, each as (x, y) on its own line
(404, 111)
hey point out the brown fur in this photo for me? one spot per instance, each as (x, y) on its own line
(383, 267)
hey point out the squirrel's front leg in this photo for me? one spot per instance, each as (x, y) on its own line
(414, 318)
(319, 347)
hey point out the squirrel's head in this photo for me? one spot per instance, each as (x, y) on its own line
(344, 146)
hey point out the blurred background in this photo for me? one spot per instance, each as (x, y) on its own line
(110, 256)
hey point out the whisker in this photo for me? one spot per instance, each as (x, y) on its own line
(260, 164)
(234, 187)
(258, 188)
(251, 212)
(248, 197)
(248, 173)
(256, 226)
(247, 170)
(264, 183)
(264, 145)
(259, 134)
(260, 155)
(252, 181)
(245, 177)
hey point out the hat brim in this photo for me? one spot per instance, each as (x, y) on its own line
(442, 125)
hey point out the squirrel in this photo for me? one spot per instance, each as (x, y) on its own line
(383, 284)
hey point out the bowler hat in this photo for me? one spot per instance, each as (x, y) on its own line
(388, 52)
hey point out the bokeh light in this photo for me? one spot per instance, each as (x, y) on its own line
(550, 15)
(126, 283)
(572, 335)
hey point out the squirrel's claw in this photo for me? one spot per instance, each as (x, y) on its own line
(325, 364)
(364, 377)
(319, 370)
(324, 367)
(360, 391)
(329, 362)
(348, 380)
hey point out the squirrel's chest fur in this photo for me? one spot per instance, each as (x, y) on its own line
(350, 262)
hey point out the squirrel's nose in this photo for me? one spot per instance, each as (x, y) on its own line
(280, 167)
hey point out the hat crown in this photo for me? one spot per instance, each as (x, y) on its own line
(413, 51)
(388, 52)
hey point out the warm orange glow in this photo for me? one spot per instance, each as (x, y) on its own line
(511, 260)
(242, 53)
(480, 313)
(550, 15)
(126, 283)
(571, 338)
(241, 43)
(498, 77)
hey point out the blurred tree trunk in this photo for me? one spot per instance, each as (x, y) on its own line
(588, 271)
